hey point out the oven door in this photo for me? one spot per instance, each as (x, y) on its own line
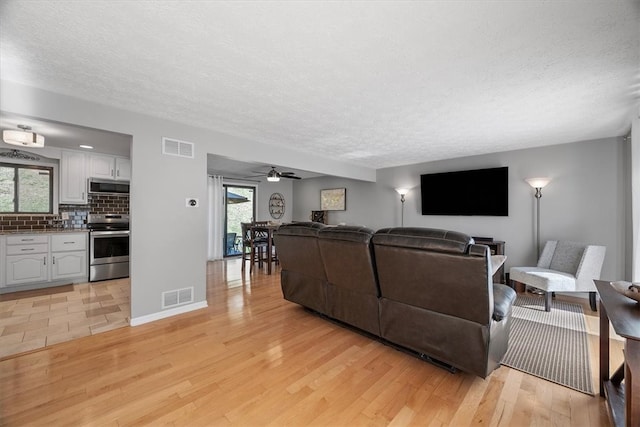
(109, 247)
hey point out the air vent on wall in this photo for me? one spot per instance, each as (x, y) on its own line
(177, 297)
(174, 147)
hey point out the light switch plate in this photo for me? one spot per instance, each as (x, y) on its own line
(192, 202)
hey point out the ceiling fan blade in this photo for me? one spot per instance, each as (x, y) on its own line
(290, 176)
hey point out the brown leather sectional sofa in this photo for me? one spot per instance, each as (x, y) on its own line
(425, 290)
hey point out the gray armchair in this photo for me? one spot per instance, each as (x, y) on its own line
(563, 267)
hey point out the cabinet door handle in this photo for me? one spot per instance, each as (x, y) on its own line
(27, 249)
(26, 240)
(118, 172)
(54, 259)
(44, 260)
(112, 172)
(68, 243)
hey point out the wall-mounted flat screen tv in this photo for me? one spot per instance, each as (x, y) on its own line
(470, 192)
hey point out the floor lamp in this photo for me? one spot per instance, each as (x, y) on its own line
(402, 192)
(538, 184)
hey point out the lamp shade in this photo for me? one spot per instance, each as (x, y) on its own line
(402, 191)
(538, 182)
(23, 137)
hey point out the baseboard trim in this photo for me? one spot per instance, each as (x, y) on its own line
(136, 321)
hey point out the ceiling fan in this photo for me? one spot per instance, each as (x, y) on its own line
(274, 175)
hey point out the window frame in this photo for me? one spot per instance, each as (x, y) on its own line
(16, 187)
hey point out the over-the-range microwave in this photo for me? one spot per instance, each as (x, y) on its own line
(107, 186)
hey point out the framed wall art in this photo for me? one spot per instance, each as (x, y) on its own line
(333, 199)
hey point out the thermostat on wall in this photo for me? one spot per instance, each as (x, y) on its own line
(192, 202)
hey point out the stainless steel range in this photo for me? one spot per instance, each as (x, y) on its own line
(108, 246)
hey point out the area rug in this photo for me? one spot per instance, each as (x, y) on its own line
(550, 345)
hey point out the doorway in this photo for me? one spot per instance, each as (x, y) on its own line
(240, 206)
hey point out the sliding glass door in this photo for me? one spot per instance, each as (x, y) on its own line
(240, 206)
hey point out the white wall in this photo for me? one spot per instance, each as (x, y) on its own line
(585, 200)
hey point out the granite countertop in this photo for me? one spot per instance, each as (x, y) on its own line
(46, 231)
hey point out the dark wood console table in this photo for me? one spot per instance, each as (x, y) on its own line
(624, 314)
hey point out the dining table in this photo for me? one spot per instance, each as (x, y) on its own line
(265, 231)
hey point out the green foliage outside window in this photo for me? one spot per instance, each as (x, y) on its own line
(26, 189)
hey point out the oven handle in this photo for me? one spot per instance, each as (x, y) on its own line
(111, 233)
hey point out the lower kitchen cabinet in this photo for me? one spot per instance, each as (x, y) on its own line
(23, 269)
(68, 264)
(31, 261)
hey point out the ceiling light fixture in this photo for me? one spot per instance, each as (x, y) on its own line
(88, 147)
(273, 175)
(23, 137)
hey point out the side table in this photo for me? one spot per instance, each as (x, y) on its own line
(624, 314)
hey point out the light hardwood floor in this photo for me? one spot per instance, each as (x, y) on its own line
(252, 358)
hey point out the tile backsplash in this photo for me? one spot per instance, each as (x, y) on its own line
(98, 204)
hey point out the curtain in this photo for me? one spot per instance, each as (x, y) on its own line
(216, 218)
(635, 199)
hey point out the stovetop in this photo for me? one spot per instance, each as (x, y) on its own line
(107, 222)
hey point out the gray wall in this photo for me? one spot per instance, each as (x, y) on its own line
(168, 240)
(585, 200)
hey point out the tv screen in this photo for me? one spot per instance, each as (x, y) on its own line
(471, 192)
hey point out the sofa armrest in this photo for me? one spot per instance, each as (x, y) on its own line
(503, 298)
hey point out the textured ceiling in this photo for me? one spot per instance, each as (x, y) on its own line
(374, 83)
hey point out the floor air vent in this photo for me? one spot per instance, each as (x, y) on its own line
(177, 297)
(174, 147)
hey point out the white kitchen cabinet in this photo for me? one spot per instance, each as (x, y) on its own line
(23, 269)
(73, 177)
(109, 167)
(44, 259)
(68, 264)
(123, 168)
(68, 255)
(3, 257)
(26, 259)
(101, 166)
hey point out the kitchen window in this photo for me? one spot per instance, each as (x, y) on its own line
(26, 189)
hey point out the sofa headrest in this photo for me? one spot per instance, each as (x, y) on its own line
(300, 229)
(347, 233)
(424, 238)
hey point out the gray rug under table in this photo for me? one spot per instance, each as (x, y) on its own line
(550, 345)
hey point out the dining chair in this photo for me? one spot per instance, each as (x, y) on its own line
(253, 245)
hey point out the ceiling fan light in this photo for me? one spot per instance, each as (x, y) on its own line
(23, 137)
(273, 176)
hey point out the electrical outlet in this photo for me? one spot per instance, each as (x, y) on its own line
(192, 202)
(64, 216)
